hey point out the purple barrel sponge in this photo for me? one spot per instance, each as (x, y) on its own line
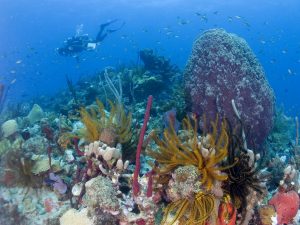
(222, 68)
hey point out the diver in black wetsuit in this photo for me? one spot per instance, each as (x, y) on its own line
(75, 45)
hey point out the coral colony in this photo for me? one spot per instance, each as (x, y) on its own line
(112, 149)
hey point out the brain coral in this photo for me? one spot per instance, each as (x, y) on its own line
(222, 67)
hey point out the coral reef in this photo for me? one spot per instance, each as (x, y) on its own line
(222, 67)
(145, 83)
(81, 161)
(157, 77)
(282, 132)
(156, 64)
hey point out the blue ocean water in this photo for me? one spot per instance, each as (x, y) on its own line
(31, 30)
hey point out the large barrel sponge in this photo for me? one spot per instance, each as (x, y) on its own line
(222, 67)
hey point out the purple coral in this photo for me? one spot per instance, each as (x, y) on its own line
(221, 68)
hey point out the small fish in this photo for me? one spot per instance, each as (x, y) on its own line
(216, 12)
(183, 22)
(13, 81)
(247, 24)
(12, 71)
(238, 17)
(284, 51)
(263, 42)
(203, 17)
(18, 61)
(290, 72)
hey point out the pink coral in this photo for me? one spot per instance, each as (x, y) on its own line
(286, 205)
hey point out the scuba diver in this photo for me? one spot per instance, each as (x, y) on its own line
(73, 46)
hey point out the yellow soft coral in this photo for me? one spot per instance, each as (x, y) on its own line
(110, 129)
(190, 211)
(174, 152)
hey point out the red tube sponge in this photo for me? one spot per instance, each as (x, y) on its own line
(135, 182)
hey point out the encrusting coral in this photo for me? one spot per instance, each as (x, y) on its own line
(112, 129)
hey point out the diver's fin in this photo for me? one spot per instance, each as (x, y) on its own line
(114, 30)
(103, 25)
